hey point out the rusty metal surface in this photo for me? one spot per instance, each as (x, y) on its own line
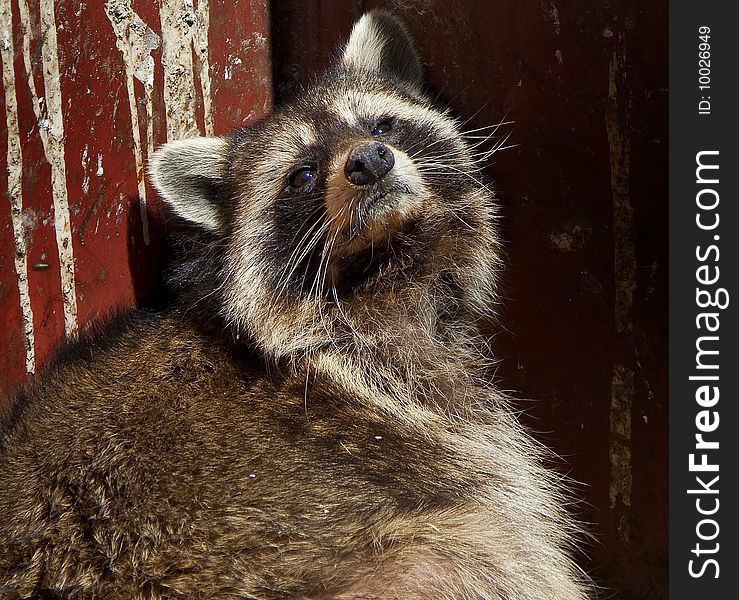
(583, 329)
(80, 230)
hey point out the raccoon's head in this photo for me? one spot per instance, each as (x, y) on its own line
(358, 205)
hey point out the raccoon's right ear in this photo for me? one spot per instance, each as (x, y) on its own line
(189, 175)
(379, 43)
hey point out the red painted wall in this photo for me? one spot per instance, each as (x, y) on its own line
(113, 265)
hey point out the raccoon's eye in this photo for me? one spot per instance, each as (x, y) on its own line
(382, 128)
(302, 178)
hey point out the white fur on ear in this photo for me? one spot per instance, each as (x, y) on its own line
(363, 51)
(379, 43)
(187, 174)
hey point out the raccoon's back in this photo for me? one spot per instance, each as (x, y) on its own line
(154, 461)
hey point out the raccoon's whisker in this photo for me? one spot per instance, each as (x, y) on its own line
(291, 268)
(335, 295)
(504, 139)
(461, 157)
(359, 219)
(325, 229)
(326, 263)
(305, 390)
(326, 253)
(498, 147)
(311, 250)
(351, 221)
(478, 137)
(481, 156)
(458, 150)
(301, 251)
(356, 222)
(501, 145)
(459, 153)
(325, 258)
(461, 124)
(308, 250)
(493, 126)
(460, 171)
(362, 219)
(479, 150)
(296, 259)
(485, 139)
(309, 231)
(423, 146)
(508, 147)
(434, 167)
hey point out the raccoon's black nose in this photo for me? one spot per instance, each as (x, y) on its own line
(368, 162)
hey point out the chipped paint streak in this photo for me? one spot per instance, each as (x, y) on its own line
(135, 40)
(48, 111)
(15, 188)
(622, 395)
(554, 14)
(619, 142)
(200, 42)
(179, 24)
(622, 384)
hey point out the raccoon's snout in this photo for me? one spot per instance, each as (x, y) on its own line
(367, 163)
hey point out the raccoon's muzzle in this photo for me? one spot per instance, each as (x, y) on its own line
(368, 163)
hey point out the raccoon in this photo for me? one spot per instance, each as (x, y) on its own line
(312, 418)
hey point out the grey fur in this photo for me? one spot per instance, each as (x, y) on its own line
(313, 419)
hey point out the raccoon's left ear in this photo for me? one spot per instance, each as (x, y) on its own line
(189, 175)
(380, 44)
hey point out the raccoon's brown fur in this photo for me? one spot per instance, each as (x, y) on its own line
(311, 419)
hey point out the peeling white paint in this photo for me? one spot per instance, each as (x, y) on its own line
(15, 188)
(85, 172)
(179, 24)
(48, 111)
(554, 14)
(100, 171)
(200, 44)
(135, 40)
(184, 32)
(261, 40)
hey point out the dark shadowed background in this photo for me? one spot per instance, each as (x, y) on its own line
(582, 334)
